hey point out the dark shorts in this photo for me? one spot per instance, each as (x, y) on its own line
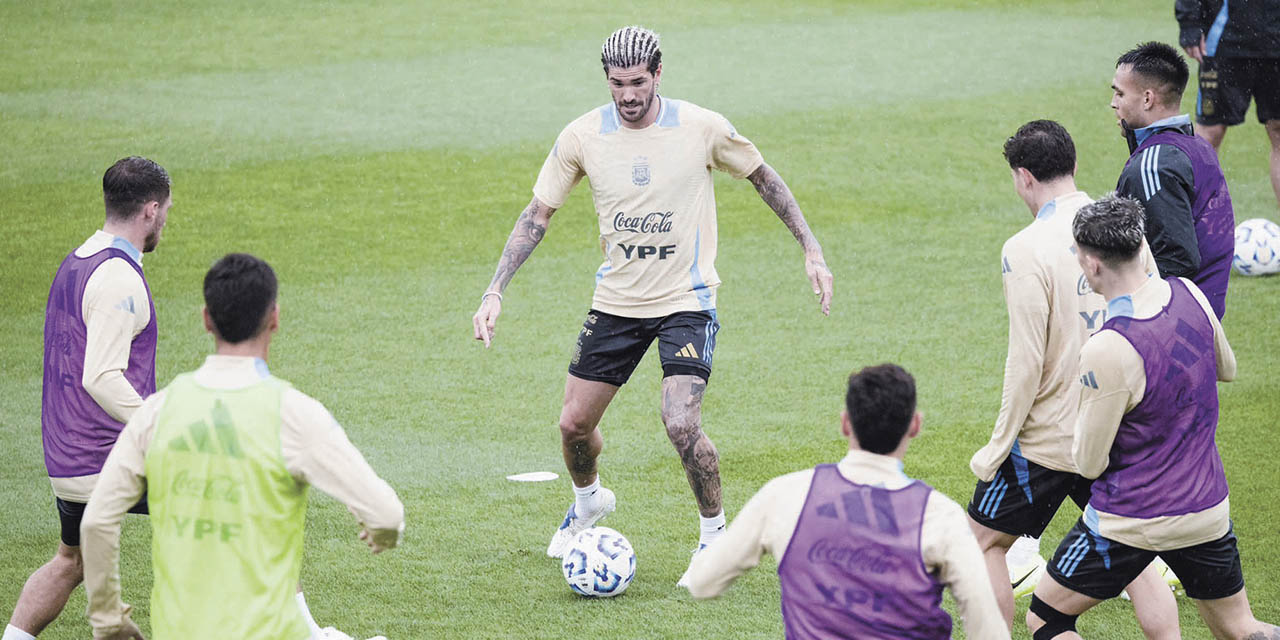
(609, 347)
(1226, 85)
(1088, 563)
(1024, 497)
(70, 513)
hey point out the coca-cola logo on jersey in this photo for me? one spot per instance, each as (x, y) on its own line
(652, 222)
(873, 558)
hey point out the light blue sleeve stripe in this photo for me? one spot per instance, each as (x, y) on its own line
(1215, 31)
(609, 118)
(670, 114)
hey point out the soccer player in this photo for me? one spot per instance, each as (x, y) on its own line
(99, 364)
(1025, 471)
(649, 159)
(1238, 48)
(1173, 173)
(226, 455)
(863, 550)
(1145, 429)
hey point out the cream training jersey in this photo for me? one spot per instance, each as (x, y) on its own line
(654, 201)
(1052, 311)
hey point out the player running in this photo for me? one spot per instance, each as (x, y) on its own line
(649, 159)
(1025, 471)
(99, 364)
(227, 453)
(863, 551)
(1147, 418)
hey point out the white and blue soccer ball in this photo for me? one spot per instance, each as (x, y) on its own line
(1257, 248)
(600, 563)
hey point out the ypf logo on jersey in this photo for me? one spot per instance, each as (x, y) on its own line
(640, 171)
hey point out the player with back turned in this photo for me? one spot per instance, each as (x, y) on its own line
(226, 454)
(863, 550)
(649, 159)
(1025, 470)
(100, 339)
(1146, 430)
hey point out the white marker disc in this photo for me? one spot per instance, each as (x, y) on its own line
(533, 476)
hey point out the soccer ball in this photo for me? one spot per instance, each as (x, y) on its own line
(600, 563)
(1257, 248)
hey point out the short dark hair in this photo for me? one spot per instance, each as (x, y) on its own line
(1111, 228)
(881, 401)
(239, 292)
(1042, 147)
(1159, 64)
(130, 183)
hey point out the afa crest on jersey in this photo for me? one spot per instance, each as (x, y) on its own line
(640, 171)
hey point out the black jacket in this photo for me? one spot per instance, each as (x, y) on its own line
(1251, 29)
(1168, 200)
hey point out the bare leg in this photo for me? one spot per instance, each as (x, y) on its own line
(682, 415)
(1154, 605)
(1273, 132)
(580, 439)
(1213, 133)
(1061, 598)
(1232, 618)
(994, 545)
(46, 591)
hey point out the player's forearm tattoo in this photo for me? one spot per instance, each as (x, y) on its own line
(682, 414)
(528, 232)
(775, 193)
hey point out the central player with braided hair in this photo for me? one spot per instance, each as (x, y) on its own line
(649, 160)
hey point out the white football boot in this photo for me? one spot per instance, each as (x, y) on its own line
(1024, 578)
(574, 524)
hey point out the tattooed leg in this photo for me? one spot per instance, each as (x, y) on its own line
(682, 415)
(580, 439)
(1232, 617)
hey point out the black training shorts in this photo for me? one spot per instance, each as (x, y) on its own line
(609, 347)
(1227, 84)
(1100, 568)
(71, 513)
(1024, 496)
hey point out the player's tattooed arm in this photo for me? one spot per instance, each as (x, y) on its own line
(682, 414)
(528, 232)
(775, 193)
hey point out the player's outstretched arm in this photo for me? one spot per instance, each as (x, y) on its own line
(528, 232)
(775, 193)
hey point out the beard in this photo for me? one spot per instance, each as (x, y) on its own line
(149, 243)
(645, 106)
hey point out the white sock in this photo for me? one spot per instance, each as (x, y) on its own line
(588, 497)
(13, 633)
(712, 528)
(1023, 551)
(306, 615)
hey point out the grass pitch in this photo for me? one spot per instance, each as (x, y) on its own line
(377, 155)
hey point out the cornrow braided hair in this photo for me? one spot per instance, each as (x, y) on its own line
(630, 46)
